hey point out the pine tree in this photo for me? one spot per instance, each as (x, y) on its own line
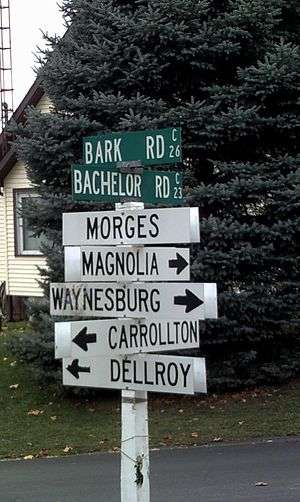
(228, 73)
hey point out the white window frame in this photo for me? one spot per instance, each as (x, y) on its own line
(19, 195)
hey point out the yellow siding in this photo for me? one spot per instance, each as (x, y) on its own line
(22, 273)
(44, 105)
(19, 272)
(3, 247)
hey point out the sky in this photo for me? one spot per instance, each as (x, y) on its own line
(28, 17)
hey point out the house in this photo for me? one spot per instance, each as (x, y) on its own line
(19, 250)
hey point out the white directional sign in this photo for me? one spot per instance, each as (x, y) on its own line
(143, 226)
(101, 338)
(135, 300)
(156, 373)
(126, 263)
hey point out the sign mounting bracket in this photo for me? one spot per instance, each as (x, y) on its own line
(132, 167)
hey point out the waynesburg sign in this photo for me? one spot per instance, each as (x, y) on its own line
(160, 146)
(155, 300)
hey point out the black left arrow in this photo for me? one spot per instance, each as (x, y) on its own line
(84, 338)
(180, 263)
(75, 369)
(190, 300)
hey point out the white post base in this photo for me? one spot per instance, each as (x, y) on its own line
(135, 447)
(135, 485)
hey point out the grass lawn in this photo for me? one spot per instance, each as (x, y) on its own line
(41, 421)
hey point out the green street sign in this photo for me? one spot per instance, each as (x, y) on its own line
(160, 146)
(89, 183)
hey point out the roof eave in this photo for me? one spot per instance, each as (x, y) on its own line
(6, 164)
(9, 158)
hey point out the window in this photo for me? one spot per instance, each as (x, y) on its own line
(26, 243)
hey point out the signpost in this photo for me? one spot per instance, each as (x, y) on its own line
(116, 337)
(152, 300)
(147, 372)
(126, 263)
(112, 185)
(140, 226)
(109, 273)
(151, 147)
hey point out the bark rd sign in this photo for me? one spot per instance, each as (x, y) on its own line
(150, 147)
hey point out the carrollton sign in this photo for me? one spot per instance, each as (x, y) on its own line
(131, 336)
(135, 300)
(156, 373)
(150, 147)
(89, 183)
(123, 263)
(142, 226)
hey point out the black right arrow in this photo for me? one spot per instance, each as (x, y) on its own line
(83, 339)
(75, 369)
(190, 300)
(180, 263)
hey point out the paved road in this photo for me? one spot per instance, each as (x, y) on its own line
(210, 474)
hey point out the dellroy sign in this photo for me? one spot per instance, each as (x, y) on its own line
(156, 373)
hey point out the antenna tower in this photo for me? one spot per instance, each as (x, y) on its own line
(6, 80)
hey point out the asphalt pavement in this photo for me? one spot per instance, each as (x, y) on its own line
(218, 473)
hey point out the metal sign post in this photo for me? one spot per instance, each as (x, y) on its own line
(139, 295)
(135, 484)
